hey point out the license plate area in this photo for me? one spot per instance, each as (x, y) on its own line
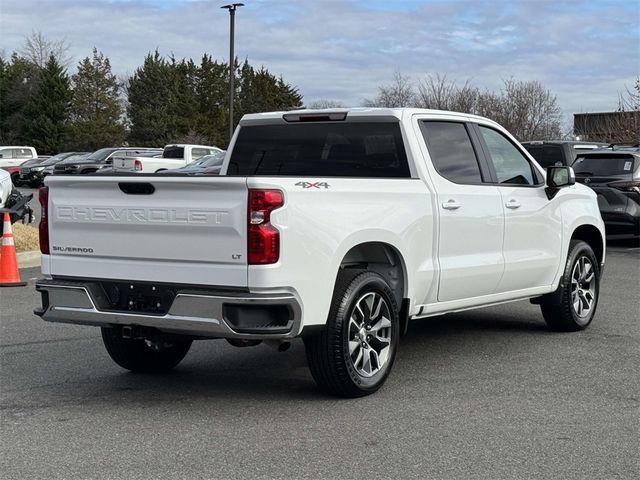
(138, 297)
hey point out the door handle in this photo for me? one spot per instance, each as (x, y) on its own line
(451, 205)
(512, 204)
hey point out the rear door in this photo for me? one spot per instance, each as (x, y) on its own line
(174, 230)
(471, 217)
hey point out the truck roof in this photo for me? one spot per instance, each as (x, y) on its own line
(190, 145)
(352, 112)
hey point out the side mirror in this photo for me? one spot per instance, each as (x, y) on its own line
(109, 161)
(557, 178)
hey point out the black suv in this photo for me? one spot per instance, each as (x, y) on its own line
(558, 152)
(614, 174)
(98, 159)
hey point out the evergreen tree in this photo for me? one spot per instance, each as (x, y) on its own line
(47, 109)
(171, 100)
(152, 110)
(17, 84)
(96, 112)
(212, 93)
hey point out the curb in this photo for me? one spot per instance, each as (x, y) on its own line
(28, 259)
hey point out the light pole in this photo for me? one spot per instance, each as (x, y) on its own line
(232, 7)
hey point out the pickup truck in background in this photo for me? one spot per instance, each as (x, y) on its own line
(99, 159)
(339, 227)
(16, 156)
(173, 156)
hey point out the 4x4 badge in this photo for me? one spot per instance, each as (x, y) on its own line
(313, 184)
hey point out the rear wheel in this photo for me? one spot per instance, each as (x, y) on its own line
(155, 354)
(573, 306)
(353, 356)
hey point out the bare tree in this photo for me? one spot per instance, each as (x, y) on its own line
(37, 49)
(398, 93)
(529, 111)
(440, 93)
(324, 103)
(629, 101)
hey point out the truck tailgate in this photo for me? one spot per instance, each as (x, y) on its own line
(158, 229)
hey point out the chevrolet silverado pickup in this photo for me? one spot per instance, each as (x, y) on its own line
(339, 227)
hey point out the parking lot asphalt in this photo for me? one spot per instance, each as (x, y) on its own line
(484, 394)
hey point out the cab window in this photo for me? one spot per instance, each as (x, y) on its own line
(452, 152)
(510, 165)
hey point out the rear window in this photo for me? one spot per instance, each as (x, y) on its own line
(320, 150)
(173, 152)
(607, 164)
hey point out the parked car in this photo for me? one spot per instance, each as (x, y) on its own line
(207, 165)
(173, 156)
(339, 227)
(15, 156)
(32, 175)
(558, 152)
(76, 156)
(614, 174)
(128, 163)
(15, 170)
(98, 159)
(13, 202)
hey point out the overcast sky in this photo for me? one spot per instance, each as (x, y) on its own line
(584, 51)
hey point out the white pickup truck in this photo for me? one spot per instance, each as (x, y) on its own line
(339, 227)
(173, 156)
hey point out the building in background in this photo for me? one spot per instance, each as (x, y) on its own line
(610, 127)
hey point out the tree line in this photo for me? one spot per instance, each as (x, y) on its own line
(178, 100)
(165, 100)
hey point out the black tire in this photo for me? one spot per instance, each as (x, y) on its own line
(15, 179)
(558, 307)
(328, 353)
(136, 355)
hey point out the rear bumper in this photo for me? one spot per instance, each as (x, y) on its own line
(200, 313)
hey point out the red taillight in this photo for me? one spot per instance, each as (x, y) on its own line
(43, 227)
(263, 239)
(137, 166)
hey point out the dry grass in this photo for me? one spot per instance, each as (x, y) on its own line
(26, 237)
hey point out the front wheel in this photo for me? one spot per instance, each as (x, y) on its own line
(572, 307)
(353, 356)
(156, 354)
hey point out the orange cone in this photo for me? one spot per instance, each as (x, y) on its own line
(9, 273)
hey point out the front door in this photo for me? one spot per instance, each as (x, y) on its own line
(532, 235)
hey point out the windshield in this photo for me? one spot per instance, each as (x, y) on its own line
(56, 158)
(605, 164)
(100, 155)
(213, 160)
(75, 157)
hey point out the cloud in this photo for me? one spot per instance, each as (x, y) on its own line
(583, 51)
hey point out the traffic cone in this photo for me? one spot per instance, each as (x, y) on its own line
(9, 273)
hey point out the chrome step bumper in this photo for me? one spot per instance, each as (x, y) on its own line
(192, 312)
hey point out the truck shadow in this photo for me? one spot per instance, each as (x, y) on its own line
(215, 370)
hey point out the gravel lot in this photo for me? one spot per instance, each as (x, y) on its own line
(485, 394)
